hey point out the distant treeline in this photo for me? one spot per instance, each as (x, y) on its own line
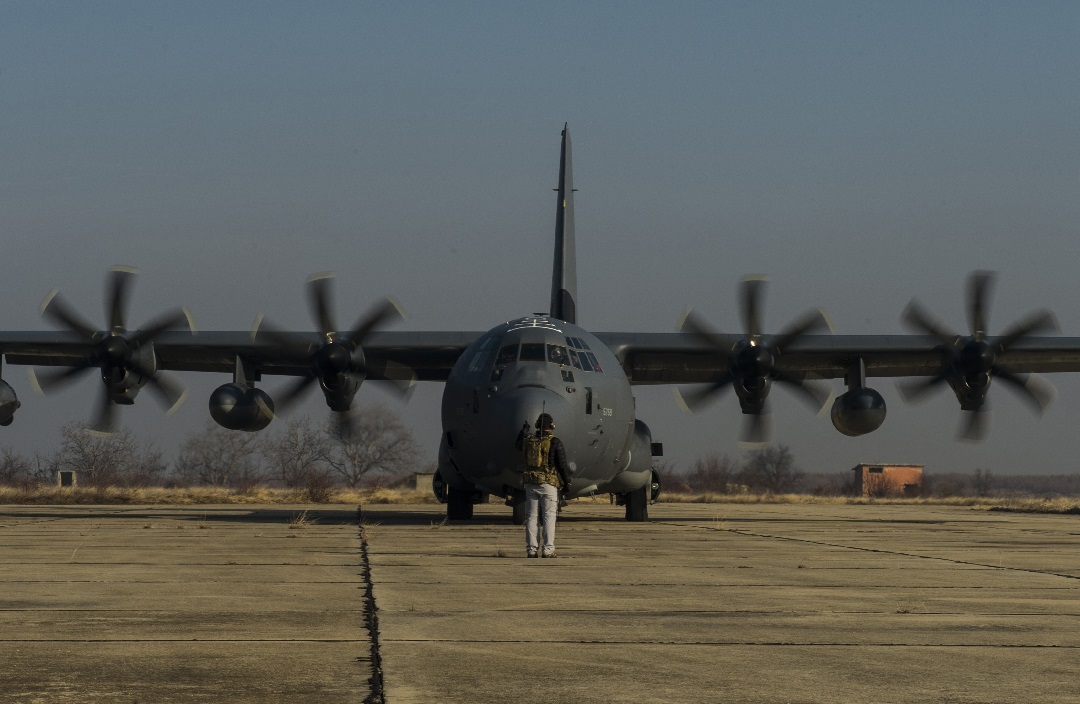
(773, 470)
(378, 448)
(373, 447)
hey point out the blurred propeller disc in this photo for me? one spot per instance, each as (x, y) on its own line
(751, 359)
(113, 351)
(338, 357)
(971, 362)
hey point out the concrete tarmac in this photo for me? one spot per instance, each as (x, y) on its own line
(731, 603)
(705, 603)
(192, 604)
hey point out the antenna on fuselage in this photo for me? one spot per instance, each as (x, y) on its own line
(564, 270)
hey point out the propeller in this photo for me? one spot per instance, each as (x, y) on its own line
(338, 362)
(971, 362)
(752, 360)
(114, 351)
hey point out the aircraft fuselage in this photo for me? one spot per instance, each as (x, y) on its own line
(525, 367)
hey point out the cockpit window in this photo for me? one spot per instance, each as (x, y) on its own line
(481, 360)
(557, 355)
(585, 364)
(595, 365)
(532, 352)
(507, 354)
(574, 359)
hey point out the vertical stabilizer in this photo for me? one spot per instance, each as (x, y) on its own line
(564, 271)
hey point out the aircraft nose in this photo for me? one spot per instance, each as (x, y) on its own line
(521, 407)
(526, 405)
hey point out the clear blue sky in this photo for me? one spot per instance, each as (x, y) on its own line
(859, 153)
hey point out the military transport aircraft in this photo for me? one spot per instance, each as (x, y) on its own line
(499, 380)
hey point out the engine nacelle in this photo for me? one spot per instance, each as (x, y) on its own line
(241, 408)
(9, 403)
(858, 412)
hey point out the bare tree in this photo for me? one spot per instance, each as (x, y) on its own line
(107, 460)
(298, 455)
(15, 468)
(375, 441)
(712, 473)
(771, 468)
(982, 482)
(220, 457)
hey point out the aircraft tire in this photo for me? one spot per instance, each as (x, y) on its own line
(520, 506)
(637, 504)
(654, 487)
(459, 506)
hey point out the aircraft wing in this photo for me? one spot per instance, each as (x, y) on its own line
(682, 358)
(389, 355)
(647, 358)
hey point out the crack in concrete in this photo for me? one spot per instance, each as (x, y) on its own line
(182, 640)
(371, 617)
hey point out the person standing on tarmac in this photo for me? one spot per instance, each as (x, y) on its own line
(545, 476)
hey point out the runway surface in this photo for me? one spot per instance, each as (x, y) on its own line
(722, 603)
(193, 604)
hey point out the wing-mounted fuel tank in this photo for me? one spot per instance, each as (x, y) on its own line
(9, 403)
(239, 405)
(860, 410)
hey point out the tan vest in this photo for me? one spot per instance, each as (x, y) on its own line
(538, 450)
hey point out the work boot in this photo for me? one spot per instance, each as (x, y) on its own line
(551, 554)
(532, 553)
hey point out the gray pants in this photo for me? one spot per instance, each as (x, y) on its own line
(546, 498)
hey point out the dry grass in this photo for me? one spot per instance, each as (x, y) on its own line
(708, 498)
(302, 520)
(187, 496)
(1020, 504)
(210, 495)
(1032, 505)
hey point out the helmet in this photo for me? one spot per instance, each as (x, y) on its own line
(545, 422)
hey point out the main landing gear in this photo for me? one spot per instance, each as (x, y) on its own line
(637, 504)
(459, 504)
(459, 501)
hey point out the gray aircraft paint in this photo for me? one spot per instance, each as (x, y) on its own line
(485, 404)
(564, 269)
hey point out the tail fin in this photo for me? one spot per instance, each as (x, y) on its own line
(564, 271)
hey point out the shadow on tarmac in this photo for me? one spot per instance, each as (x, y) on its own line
(197, 514)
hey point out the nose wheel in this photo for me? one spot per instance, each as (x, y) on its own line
(459, 504)
(517, 502)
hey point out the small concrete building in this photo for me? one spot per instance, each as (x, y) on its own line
(421, 481)
(881, 480)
